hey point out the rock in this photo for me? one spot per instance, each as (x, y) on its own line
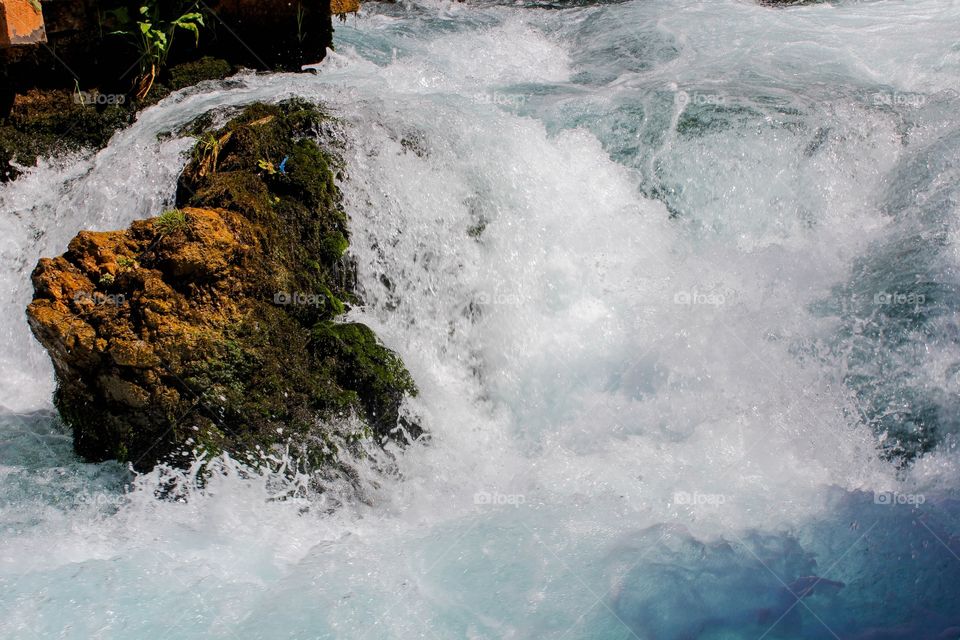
(47, 122)
(271, 34)
(342, 7)
(216, 326)
(65, 18)
(193, 72)
(21, 23)
(91, 73)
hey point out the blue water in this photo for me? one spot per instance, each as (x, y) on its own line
(678, 282)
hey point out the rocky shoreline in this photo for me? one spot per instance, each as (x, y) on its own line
(76, 71)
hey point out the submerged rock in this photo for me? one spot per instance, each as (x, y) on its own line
(215, 325)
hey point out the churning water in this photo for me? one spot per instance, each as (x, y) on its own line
(678, 281)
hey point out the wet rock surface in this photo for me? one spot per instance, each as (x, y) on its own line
(217, 326)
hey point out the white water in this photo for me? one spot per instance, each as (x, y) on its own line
(809, 158)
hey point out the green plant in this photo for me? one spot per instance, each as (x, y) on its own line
(171, 221)
(207, 152)
(79, 99)
(126, 263)
(36, 6)
(152, 33)
(301, 14)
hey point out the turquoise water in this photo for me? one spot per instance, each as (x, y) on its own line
(678, 282)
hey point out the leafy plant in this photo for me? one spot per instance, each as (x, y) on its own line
(126, 263)
(207, 152)
(301, 15)
(153, 34)
(171, 221)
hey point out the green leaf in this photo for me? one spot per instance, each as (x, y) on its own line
(191, 27)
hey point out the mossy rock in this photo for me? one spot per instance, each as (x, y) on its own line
(359, 361)
(196, 71)
(43, 123)
(53, 122)
(217, 326)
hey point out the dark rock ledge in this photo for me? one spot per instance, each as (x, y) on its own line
(215, 326)
(72, 72)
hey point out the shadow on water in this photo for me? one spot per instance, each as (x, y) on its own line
(860, 573)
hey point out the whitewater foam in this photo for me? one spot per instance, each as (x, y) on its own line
(622, 282)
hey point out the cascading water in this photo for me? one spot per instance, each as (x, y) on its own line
(678, 283)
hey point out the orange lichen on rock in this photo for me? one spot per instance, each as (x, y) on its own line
(119, 307)
(181, 334)
(20, 23)
(341, 7)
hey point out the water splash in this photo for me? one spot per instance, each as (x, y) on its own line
(616, 246)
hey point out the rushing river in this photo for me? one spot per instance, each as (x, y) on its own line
(679, 283)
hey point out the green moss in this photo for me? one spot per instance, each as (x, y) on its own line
(55, 122)
(336, 305)
(298, 210)
(264, 386)
(190, 73)
(209, 441)
(287, 366)
(359, 361)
